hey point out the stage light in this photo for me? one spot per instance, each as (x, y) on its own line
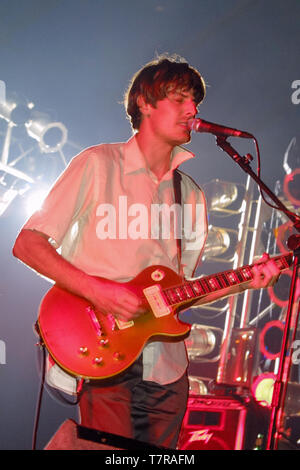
(197, 386)
(14, 172)
(241, 358)
(51, 136)
(291, 158)
(220, 244)
(263, 387)
(271, 338)
(279, 293)
(15, 110)
(203, 342)
(34, 200)
(282, 234)
(217, 242)
(6, 109)
(291, 161)
(7, 195)
(224, 200)
(9, 192)
(220, 195)
(291, 186)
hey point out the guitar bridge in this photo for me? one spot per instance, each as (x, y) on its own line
(156, 300)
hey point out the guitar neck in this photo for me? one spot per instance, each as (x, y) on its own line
(192, 290)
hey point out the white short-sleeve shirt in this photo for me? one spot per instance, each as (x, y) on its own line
(102, 213)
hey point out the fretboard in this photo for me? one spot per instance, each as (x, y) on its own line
(194, 289)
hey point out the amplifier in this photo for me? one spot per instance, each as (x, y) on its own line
(219, 423)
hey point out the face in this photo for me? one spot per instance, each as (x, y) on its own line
(168, 119)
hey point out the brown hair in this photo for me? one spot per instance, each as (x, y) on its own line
(154, 80)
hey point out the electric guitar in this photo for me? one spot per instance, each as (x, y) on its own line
(94, 345)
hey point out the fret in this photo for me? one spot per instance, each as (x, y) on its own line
(171, 296)
(247, 273)
(166, 297)
(175, 295)
(224, 280)
(218, 281)
(188, 291)
(239, 274)
(205, 285)
(213, 283)
(231, 278)
(283, 262)
(198, 288)
(180, 293)
(194, 290)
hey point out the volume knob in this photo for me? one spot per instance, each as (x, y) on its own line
(98, 361)
(117, 356)
(83, 350)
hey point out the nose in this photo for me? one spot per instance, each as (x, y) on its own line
(190, 108)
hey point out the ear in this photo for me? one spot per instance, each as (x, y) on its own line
(144, 107)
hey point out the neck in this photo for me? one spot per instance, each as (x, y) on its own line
(156, 153)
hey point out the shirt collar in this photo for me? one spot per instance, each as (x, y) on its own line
(134, 159)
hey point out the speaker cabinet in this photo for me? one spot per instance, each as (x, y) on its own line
(218, 423)
(67, 438)
(72, 436)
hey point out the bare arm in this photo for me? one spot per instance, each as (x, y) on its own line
(33, 249)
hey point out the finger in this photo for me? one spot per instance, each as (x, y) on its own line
(265, 256)
(269, 273)
(126, 316)
(134, 306)
(261, 277)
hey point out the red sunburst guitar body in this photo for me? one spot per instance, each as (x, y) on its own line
(93, 345)
(90, 344)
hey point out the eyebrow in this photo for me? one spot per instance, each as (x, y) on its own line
(182, 92)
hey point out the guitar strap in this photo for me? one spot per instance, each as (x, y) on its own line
(177, 193)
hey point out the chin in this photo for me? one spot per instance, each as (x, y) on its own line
(185, 140)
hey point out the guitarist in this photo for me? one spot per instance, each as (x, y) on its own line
(97, 214)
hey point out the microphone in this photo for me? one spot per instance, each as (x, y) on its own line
(199, 125)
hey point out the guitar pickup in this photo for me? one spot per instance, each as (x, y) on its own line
(156, 300)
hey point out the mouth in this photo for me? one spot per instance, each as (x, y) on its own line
(184, 125)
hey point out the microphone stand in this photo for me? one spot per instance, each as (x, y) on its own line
(293, 243)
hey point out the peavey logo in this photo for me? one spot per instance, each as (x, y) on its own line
(201, 435)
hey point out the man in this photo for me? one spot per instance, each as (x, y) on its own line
(103, 246)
